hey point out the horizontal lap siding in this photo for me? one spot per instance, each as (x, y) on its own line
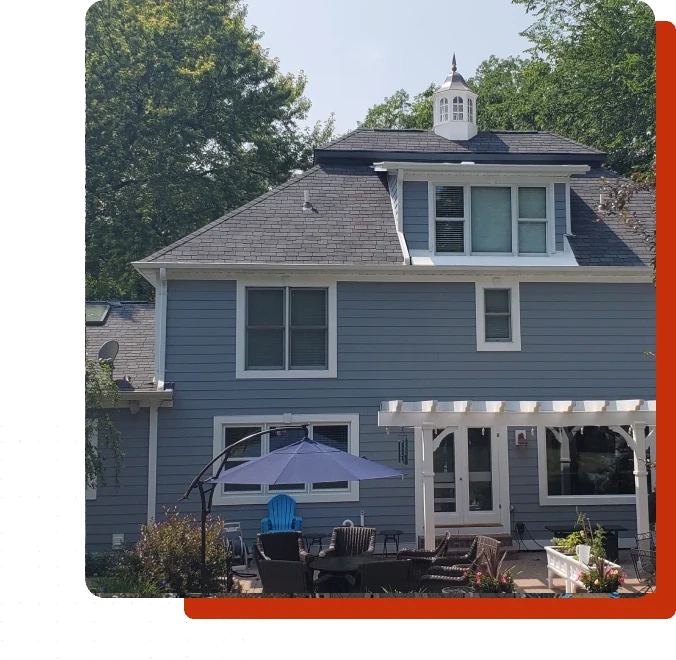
(416, 216)
(412, 341)
(123, 509)
(560, 214)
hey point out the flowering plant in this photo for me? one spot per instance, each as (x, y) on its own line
(492, 579)
(601, 578)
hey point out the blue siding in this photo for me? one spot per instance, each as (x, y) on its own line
(123, 509)
(416, 216)
(410, 341)
(559, 214)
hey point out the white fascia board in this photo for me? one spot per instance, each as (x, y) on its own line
(562, 259)
(481, 168)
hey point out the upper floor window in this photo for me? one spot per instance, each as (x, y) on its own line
(286, 331)
(470, 110)
(443, 110)
(503, 220)
(458, 113)
(498, 316)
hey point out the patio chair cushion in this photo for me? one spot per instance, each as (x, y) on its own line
(285, 577)
(284, 546)
(387, 575)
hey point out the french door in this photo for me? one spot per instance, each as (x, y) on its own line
(466, 480)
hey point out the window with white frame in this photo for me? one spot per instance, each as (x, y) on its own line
(470, 109)
(498, 322)
(339, 431)
(286, 331)
(505, 219)
(443, 110)
(458, 114)
(532, 220)
(449, 219)
(585, 465)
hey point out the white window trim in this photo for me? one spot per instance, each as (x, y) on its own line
(467, 186)
(443, 102)
(231, 499)
(480, 286)
(563, 500)
(286, 281)
(90, 491)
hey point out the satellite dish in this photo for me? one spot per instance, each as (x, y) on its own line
(108, 352)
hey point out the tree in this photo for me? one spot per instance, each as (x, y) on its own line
(397, 111)
(100, 389)
(187, 118)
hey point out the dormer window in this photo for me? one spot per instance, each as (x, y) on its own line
(470, 110)
(443, 110)
(458, 114)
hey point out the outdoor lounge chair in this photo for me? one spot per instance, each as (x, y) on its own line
(645, 566)
(283, 546)
(482, 546)
(648, 536)
(285, 577)
(423, 560)
(281, 515)
(439, 577)
(351, 542)
(387, 575)
(439, 551)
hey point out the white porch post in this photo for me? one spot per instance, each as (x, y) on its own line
(651, 444)
(428, 487)
(641, 479)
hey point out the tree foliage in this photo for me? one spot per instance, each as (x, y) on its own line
(589, 75)
(187, 118)
(100, 432)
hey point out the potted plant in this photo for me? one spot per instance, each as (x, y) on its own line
(567, 545)
(601, 578)
(491, 578)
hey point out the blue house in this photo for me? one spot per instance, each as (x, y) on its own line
(452, 291)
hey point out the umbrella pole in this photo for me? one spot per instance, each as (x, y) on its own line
(203, 549)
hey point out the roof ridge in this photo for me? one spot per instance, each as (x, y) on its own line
(230, 215)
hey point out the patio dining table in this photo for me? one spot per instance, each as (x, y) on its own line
(342, 565)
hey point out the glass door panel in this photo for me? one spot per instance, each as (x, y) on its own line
(444, 472)
(480, 469)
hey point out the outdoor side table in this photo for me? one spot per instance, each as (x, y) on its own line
(312, 538)
(390, 535)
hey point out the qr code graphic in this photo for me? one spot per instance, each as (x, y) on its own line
(40, 536)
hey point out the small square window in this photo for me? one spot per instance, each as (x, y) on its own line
(498, 324)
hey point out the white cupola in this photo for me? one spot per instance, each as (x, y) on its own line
(455, 108)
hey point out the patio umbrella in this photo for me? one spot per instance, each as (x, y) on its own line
(305, 461)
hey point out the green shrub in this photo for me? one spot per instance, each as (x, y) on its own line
(99, 564)
(168, 554)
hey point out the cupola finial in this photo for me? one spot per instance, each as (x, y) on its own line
(454, 68)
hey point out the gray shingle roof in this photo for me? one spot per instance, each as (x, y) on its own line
(351, 223)
(132, 325)
(488, 142)
(600, 240)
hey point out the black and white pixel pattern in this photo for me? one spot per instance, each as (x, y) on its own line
(44, 607)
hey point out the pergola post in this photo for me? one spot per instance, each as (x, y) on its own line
(641, 481)
(428, 486)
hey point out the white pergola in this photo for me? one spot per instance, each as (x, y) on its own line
(637, 414)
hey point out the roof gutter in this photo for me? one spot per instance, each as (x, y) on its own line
(471, 167)
(160, 325)
(175, 270)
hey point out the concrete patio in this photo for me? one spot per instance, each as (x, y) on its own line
(530, 570)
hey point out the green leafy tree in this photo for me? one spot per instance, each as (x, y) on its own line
(187, 117)
(398, 111)
(100, 432)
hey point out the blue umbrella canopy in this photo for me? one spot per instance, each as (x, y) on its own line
(305, 461)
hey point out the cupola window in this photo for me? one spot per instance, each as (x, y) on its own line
(470, 110)
(458, 113)
(443, 110)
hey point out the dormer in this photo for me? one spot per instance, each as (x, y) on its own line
(455, 108)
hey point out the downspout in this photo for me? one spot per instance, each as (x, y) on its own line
(160, 326)
(152, 463)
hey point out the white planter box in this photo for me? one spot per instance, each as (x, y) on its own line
(566, 567)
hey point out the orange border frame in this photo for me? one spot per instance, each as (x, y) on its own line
(659, 605)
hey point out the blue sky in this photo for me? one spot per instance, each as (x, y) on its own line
(357, 52)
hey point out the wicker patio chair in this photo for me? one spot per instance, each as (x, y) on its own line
(645, 566)
(351, 542)
(482, 546)
(439, 577)
(284, 546)
(387, 575)
(285, 577)
(439, 551)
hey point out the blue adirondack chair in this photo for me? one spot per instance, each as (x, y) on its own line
(281, 515)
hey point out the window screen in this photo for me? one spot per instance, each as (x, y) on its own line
(491, 219)
(265, 328)
(532, 220)
(450, 232)
(497, 312)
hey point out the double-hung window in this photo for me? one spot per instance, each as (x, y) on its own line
(286, 331)
(503, 219)
(339, 431)
(498, 322)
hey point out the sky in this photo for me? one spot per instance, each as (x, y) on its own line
(357, 52)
